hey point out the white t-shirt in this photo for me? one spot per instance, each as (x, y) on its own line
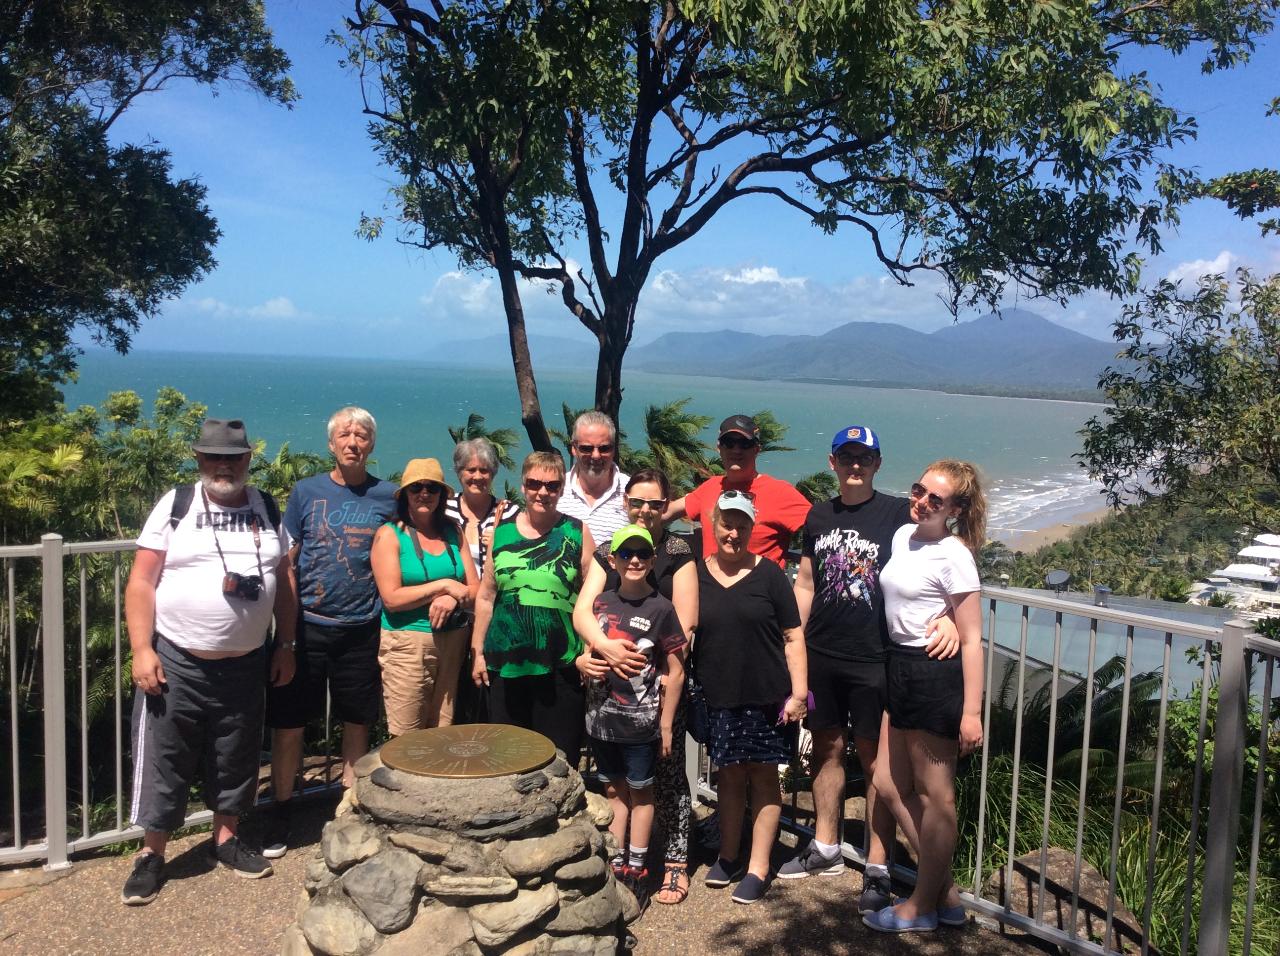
(191, 610)
(917, 580)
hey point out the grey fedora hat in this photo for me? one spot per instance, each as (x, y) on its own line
(222, 436)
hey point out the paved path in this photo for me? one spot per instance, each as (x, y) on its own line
(207, 910)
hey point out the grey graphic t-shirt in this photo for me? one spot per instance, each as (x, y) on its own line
(621, 709)
(333, 525)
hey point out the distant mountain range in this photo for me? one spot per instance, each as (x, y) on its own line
(1015, 352)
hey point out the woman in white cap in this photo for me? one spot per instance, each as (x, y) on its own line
(428, 584)
(750, 658)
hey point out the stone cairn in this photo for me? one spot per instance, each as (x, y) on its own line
(462, 867)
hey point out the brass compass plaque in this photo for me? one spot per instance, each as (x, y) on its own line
(468, 750)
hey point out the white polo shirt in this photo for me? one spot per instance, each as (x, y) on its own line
(607, 515)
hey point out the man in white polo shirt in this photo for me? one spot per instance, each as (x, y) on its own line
(595, 489)
(211, 571)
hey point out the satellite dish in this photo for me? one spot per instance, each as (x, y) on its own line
(1057, 579)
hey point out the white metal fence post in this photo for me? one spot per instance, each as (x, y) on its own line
(54, 696)
(1223, 827)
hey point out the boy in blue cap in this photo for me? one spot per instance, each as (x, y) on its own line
(629, 720)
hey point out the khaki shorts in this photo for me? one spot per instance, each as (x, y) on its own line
(420, 672)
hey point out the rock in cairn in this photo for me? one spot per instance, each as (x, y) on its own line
(420, 865)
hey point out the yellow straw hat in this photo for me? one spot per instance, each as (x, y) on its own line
(423, 469)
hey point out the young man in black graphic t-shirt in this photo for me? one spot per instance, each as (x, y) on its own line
(847, 542)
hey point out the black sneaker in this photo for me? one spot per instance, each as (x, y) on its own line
(245, 862)
(811, 862)
(275, 835)
(877, 893)
(143, 884)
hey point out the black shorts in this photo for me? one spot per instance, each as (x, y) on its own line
(847, 695)
(925, 694)
(343, 660)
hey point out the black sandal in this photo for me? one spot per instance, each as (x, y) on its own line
(671, 884)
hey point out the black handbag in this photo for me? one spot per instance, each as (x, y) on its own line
(697, 719)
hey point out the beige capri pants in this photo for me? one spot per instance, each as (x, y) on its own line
(420, 671)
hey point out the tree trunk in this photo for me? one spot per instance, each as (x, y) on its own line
(526, 383)
(617, 324)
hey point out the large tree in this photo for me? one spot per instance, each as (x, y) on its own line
(992, 145)
(96, 234)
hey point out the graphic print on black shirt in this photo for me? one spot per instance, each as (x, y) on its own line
(848, 547)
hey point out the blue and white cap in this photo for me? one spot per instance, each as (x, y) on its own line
(855, 435)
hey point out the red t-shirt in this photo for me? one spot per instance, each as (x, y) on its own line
(780, 513)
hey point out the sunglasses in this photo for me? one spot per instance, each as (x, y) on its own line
(749, 495)
(588, 449)
(425, 488)
(919, 491)
(847, 459)
(653, 504)
(551, 487)
(626, 554)
(736, 441)
(211, 456)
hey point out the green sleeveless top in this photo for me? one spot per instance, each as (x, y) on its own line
(538, 580)
(432, 567)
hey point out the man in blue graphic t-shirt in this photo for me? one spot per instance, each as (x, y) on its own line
(331, 519)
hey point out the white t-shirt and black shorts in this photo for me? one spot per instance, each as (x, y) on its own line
(209, 716)
(924, 693)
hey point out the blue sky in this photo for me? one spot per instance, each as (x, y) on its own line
(288, 188)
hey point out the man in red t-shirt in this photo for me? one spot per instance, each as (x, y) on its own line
(780, 509)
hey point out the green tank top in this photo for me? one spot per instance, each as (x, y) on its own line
(538, 580)
(432, 567)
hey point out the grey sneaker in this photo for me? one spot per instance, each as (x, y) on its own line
(811, 862)
(247, 863)
(143, 884)
(877, 893)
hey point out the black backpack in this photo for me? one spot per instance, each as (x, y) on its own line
(183, 495)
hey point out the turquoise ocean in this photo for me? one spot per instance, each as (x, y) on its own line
(1023, 446)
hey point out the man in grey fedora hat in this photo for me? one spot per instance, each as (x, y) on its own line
(211, 571)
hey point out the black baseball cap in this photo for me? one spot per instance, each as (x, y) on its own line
(743, 425)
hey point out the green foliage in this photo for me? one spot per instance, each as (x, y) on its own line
(820, 486)
(278, 475)
(1199, 396)
(93, 235)
(502, 439)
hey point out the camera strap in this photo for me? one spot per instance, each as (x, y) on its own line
(422, 560)
(253, 523)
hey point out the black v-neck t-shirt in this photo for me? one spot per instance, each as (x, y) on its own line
(738, 651)
(849, 545)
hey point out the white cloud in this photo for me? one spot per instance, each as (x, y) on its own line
(760, 274)
(277, 307)
(1224, 263)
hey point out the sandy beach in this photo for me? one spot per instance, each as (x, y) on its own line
(1032, 539)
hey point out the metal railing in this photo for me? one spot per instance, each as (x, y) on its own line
(1084, 757)
(78, 764)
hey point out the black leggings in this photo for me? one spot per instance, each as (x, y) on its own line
(553, 705)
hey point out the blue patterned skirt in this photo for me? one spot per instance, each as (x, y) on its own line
(749, 735)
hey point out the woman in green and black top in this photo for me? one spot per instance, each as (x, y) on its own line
(427, 582)
(523, 641)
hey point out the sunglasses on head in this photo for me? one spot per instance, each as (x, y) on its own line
(749, 495)
(584, 449)
(863, 459)
(919, 491)
(644, 553)
(552, 487)
(736, 441)
(425, 488)
(653, 504)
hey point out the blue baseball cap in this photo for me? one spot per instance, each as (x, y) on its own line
(855, 435)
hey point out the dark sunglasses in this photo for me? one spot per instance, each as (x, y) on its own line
(865, 459)
(626, 554)
(425, 488)
(212, 456)
(919, 491)
(736, 441)
(654, 504)
(588, 449)
(749, 495)
(551, 487)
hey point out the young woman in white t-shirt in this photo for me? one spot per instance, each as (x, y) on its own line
(934, 705)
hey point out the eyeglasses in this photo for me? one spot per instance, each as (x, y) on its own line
(653, 504)
(626, 554)
(865, 459)
(749, 495)
(737, 441)
(424, 488)
(551, 487)
(212, 456)
(919, 491)
(588, 449)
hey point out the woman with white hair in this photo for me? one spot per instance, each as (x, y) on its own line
(475, 508)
